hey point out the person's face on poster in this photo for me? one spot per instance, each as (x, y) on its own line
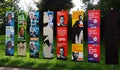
(31, 15)
(80, 17)
(31, 45)
(61, 19)
(23, 22)
(50, 17)
(76, 55)
(9, 44)
(61, 51)
(9, 16)
(22, 31)
(34, 47)
(35, 17)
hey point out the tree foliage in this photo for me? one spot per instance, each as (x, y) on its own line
(55, 5)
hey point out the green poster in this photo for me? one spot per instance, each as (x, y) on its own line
(21, 37)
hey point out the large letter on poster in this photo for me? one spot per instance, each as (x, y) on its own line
(48, 34)
(94, 35)
(34, 34)
(77, 35)
(9, 34)
(62, 34)
(21, 38)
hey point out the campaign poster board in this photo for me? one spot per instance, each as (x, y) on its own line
(34, 34)
(9, 34)
(94, 35)
(77, 35)
(48, 31)
(62, 35)
(22, 33)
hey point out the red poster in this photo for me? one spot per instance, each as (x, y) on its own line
(94, 18)
(94, 52)
(94, 35)
(62, 34)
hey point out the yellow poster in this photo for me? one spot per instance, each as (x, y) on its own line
(77, 35)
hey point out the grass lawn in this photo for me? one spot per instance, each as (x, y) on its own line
(52, 64)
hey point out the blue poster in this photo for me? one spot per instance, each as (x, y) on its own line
(34, 34)
(9, 34)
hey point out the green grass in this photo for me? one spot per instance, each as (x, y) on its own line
(52, 64)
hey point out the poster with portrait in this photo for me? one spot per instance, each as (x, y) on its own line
(62, 35)
(21, 36)
(9, 34)
(48, 29)
(9, 41)
(34, 34)
(34, 49)
(34, 25)
(77, 35)
(94, 35)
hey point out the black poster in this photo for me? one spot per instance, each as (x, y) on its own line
(111, 37)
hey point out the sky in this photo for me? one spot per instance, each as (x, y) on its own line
(24, 4)
(27, 4)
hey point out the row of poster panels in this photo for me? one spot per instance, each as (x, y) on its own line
(62, 34)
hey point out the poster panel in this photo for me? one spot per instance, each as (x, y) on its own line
(94, 52)
(77, 35)
(9, 34)
(94, 35)
(62, 35)
(48, 29)
(21, 37)
(34, 49)
(34, 34)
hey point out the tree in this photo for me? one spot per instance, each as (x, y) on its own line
(103, 6)
(9, 5)
(55, 5)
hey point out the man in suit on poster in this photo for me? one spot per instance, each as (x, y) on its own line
(62, 18)
(61, 53)
(78, 31)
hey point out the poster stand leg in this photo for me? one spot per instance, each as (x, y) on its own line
(112, 66)
(34, 60)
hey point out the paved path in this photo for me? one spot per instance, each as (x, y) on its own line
(10, 68)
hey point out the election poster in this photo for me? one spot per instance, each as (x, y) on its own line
(62, 35)
(94, 35)
(48, 30)
(9, 34)
(21, 36)
(34, 49)
(34, 34)
(77, 35)
(94, 52)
